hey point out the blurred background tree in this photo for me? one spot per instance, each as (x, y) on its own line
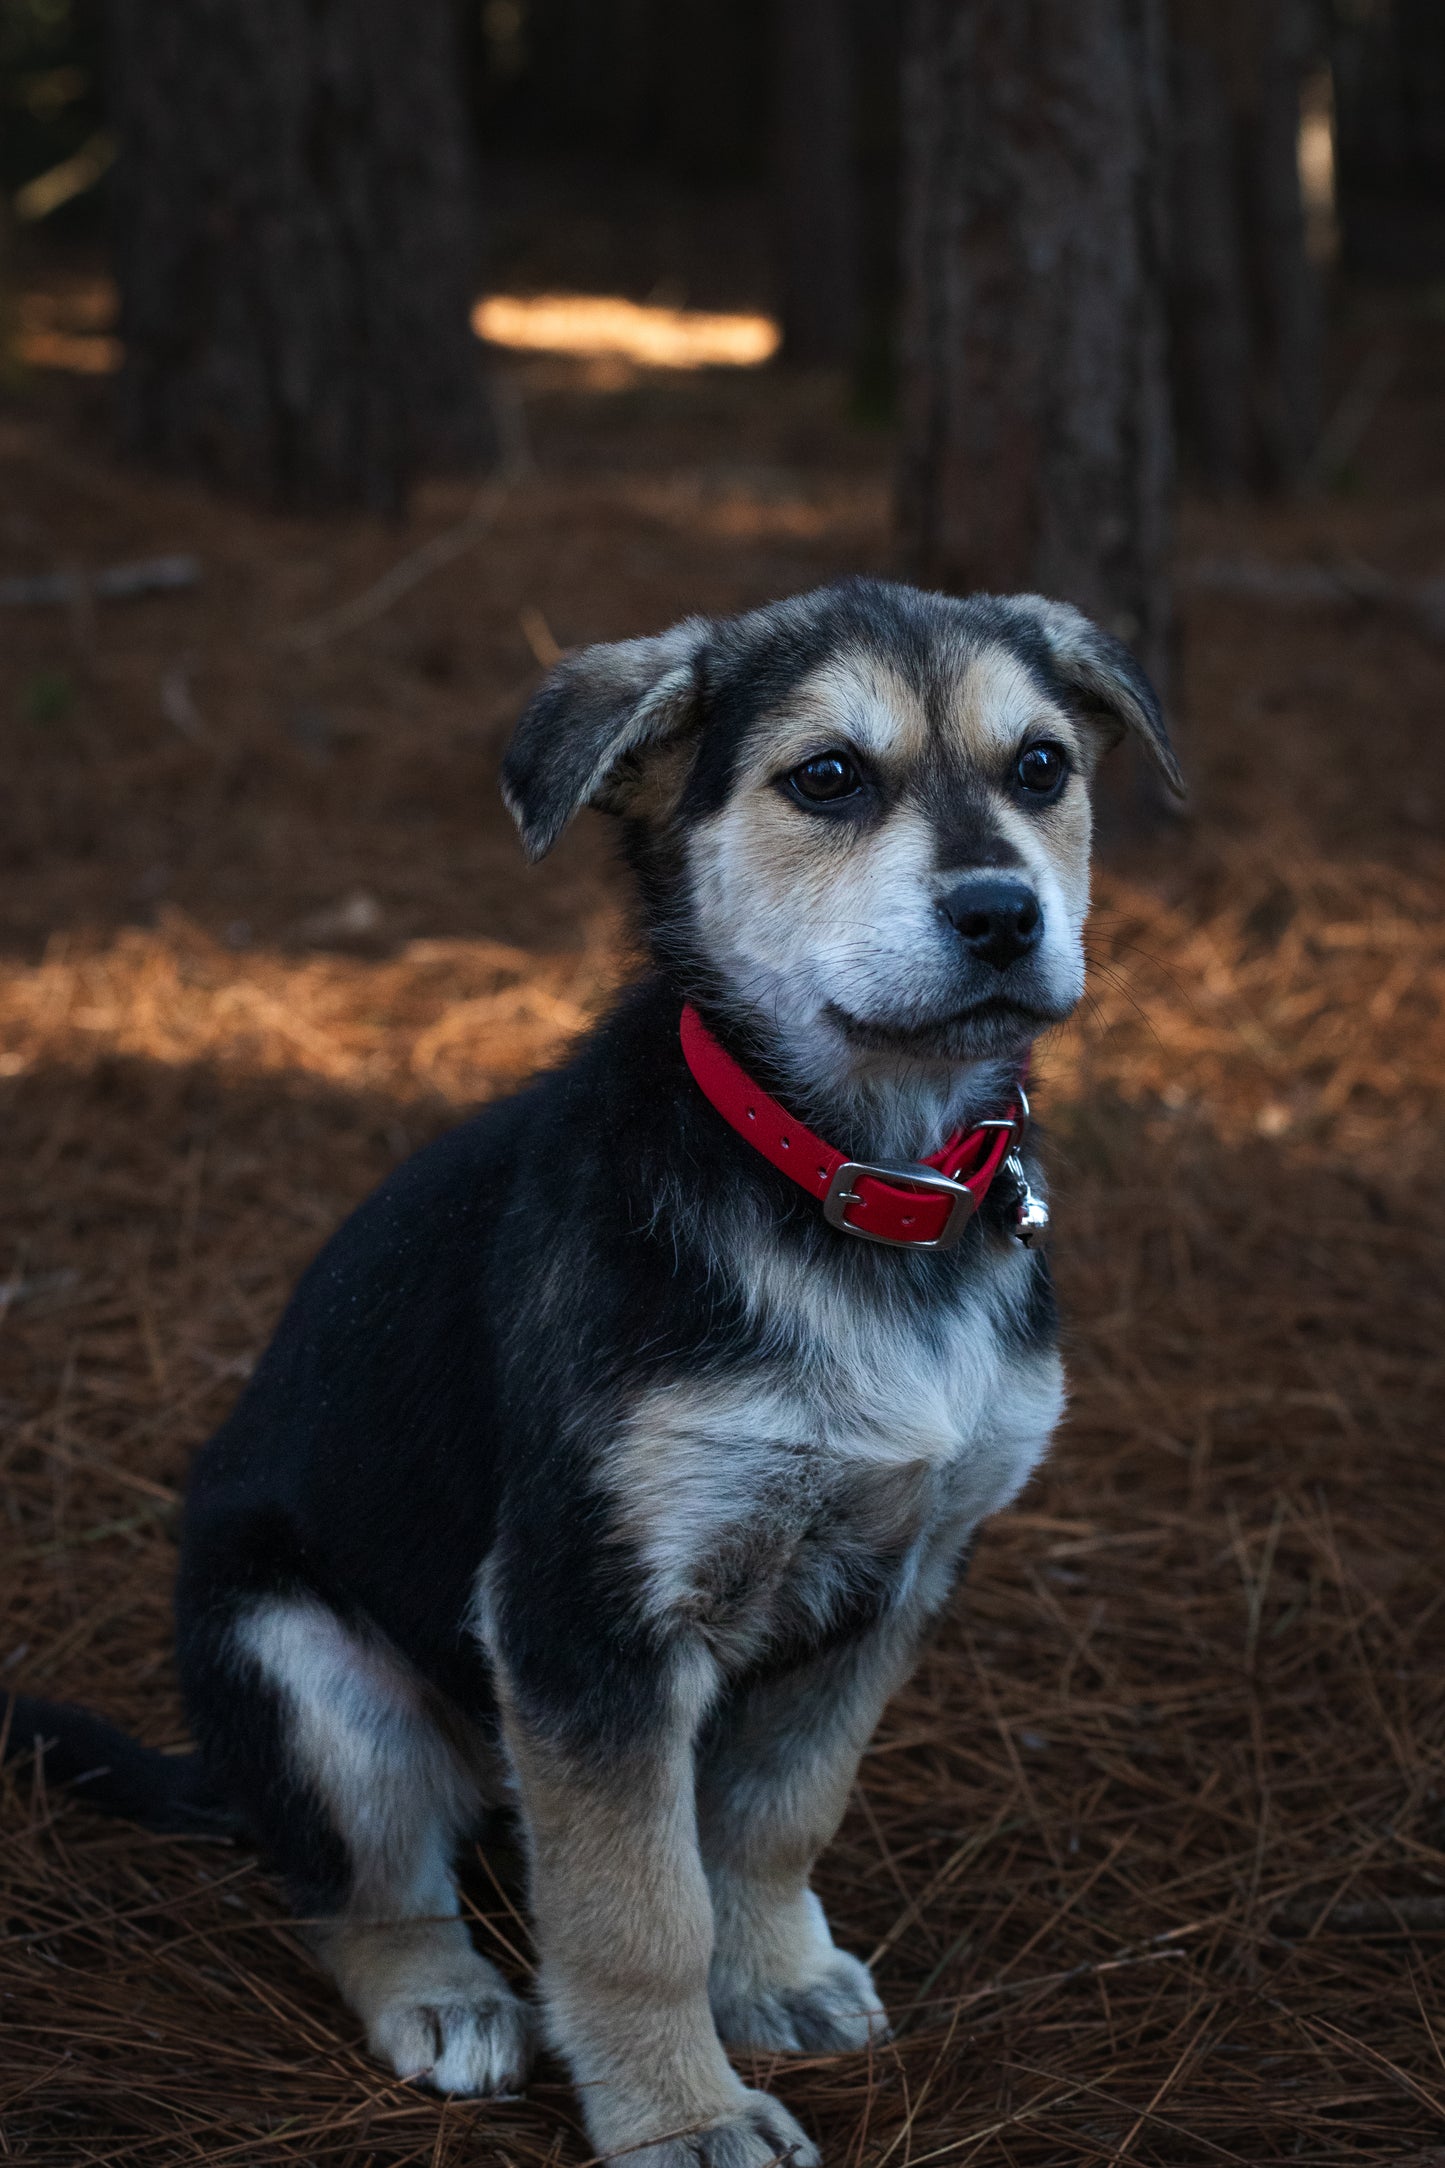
(1244, 297)
(1092, 288)
(295, 242)
(1389, 99)
(1036, 446)
(817, 182)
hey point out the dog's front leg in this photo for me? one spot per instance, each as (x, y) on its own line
(625, 1933)
(775, 1771)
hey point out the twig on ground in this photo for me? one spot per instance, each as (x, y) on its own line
(1304, 586)
(408, 572)
(1397, 1916)
(439, 550)
(113, 583)
(178, 705)
(1344, 431)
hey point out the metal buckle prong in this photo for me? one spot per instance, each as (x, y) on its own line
(1016, 1124)
(927, 1180)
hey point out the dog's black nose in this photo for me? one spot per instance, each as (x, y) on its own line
(997, 921)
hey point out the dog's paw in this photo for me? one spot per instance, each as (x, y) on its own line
(834, 2009)
(760, 2132)
(477, 2043)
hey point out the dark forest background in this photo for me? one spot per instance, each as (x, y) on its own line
(722, 153)
(1070, 250)
(1137, 300)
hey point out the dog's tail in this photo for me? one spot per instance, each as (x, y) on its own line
(110, 1771)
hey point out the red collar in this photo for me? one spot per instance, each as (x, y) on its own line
(943, 1191)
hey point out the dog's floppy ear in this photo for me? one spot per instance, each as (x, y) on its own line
(581, 738)
(1109, 682)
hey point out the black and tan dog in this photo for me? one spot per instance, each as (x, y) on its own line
(611, 1461)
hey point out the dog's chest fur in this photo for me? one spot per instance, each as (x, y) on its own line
(841, 1459)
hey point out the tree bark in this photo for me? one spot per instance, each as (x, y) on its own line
(877, 51)
(680, 82)
(1035, 413)
(1244, 297)
(816, 183)
(295, 245)
(1389, 81)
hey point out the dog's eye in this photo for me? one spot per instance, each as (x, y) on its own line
(826, 778)
(1041, 768)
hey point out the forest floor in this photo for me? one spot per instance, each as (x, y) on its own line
(1150, 1857)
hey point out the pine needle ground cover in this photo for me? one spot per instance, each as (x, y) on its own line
(1150, 1856)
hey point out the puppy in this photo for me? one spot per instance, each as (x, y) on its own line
(612, 1459)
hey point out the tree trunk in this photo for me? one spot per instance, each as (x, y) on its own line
(1389, 77)
(817, 186)
(1244, 297)
(680, 82)
(877, 49)
(1035, 413)
(295, 245)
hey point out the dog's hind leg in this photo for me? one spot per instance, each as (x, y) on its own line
(774, 1773)
(360, 1786)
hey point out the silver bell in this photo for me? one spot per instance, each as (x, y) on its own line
(1031, 1214)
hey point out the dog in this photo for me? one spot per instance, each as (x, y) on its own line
(611, 1461)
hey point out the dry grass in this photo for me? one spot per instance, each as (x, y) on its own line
(1151, 1854)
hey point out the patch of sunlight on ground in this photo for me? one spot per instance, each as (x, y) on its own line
(451, 1019)
(69, 330)
(606, 324)
(74, 330)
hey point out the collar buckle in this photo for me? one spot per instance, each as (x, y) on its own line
(1017, 1124)
(926, 1180)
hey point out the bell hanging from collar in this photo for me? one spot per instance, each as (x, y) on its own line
(1031, 1214)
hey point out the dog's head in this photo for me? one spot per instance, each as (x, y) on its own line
(861, 816)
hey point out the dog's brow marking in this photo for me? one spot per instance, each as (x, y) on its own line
(996, 701)
(856, 697)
